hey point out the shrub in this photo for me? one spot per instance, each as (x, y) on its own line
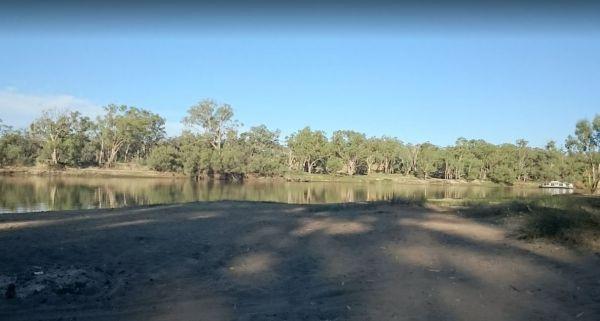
(165, 158)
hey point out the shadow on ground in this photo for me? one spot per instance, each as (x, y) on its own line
(265, 261)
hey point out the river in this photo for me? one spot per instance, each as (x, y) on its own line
(45, 193)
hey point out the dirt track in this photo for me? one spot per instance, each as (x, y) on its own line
(256, 261)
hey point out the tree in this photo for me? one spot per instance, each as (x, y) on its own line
(586, 145)
(410, 158)
(486, 156)
(57, 131)
(195, 153)
(373, 149)
(350, 147)
(522, 159)
(212, 119)
(165, 158)
(126, 126)
(501, 162)
(426, 163)
(390, 151)
(211, 145)
(308, 149)
(146, 129)
(16, 147)
(263, 152)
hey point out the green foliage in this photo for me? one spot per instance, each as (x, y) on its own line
(211, 145)
(426, 163)
(62, 137)
(165, 158)
(307, 149)
(571, 219)
(16, 148)
(263, 153)
(351, 148)
(196, 154)
(502, 173)
(585, 146)
(212, 119)
(123, 131)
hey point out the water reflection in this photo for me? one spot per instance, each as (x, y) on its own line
(25, 193)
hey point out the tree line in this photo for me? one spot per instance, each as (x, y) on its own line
(213, 145)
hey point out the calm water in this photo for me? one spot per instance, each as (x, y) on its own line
(32, 193)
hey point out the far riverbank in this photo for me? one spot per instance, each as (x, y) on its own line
(138, 171)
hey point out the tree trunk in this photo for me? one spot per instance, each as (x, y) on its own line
(127, 152)
(113, 155)
(54, 157)
(101, 154)
(290, 160)
(351, 167)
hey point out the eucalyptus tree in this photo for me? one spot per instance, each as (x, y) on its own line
(121, 126)
(410, 158)
(428, 157)
(79, 148)
(211, 119)
(586, 145)
(350, 147)
(486, 155)
(462, 158)
(390, 153)
(307, 149)
(522, 157)
(231, 159)
(502, 164)
(263, 153)
(16, 147)
(145, 130)
(61, 135)
(373, 148)
(195, 152)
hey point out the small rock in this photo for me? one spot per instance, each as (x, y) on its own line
(11, 291)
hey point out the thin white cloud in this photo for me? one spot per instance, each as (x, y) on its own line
(18, 109)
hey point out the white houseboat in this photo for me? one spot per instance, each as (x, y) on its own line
(557, 184)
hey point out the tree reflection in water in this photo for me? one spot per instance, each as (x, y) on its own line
(35, 193)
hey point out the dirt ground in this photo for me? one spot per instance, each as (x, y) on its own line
(261, 261)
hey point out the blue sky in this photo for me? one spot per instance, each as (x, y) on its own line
(418, 86)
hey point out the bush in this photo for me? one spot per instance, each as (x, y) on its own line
(165, 158)
(16, 148)
(548, 223)
(502, 174)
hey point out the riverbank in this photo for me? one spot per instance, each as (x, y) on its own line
(393, 178)
(133, 170)
(119, 170)
(268, 261)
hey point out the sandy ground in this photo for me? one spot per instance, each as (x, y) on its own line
(257, 261)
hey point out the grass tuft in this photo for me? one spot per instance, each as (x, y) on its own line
(573, 219)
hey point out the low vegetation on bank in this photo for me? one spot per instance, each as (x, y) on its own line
(569, 219)
(118, 170)
(572, 220)
(213, 145)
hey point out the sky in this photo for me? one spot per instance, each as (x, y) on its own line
(417, 73)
